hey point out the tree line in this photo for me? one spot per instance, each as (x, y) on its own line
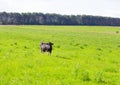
(55, 19)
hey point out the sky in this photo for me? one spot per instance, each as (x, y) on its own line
(109, 8)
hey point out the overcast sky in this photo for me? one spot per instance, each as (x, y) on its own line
(76, 7)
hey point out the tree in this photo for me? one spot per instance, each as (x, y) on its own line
(55, 19)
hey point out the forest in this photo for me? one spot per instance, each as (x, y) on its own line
(56, 19)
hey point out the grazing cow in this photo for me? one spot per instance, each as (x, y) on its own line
(46, 47)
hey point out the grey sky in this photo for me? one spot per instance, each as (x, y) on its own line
(88, 7)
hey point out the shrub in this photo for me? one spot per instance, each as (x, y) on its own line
(85, 76)
(82, 47)
(117, 32)
(58, 46)
(99, 49)
(99, 77)
(77, 44)
(85, 45)
(119, 46)
(25, 47)
(15, 43)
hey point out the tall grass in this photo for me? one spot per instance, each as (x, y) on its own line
(82, 55)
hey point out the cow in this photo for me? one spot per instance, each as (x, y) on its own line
(46, 47)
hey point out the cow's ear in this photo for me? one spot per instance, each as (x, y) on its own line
(52, 44)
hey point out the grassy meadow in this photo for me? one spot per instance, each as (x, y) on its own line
(82, 55)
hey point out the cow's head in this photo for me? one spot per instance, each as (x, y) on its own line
(50, 43)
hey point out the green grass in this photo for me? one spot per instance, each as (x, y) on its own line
(82, 55)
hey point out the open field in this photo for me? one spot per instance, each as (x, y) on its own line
(82, 55)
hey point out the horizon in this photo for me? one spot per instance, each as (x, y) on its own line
(104, 8)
